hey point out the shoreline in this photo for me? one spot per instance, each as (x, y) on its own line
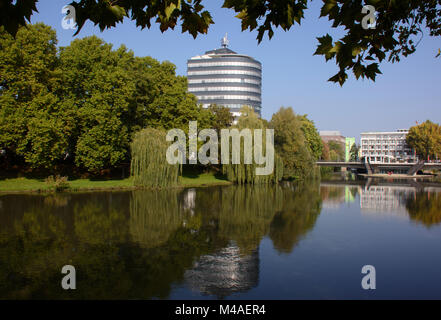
(39, 186)
(397, 176)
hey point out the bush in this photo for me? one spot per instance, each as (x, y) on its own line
(57, 184)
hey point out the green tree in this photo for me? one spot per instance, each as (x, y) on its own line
(149, 164)
(313, 139)
(354, 152)
(336, 151)
(223, 118)
(33, 122)
(100, 93)
(246, 173)
(83, 104)
(291, 145)
(398, 24)
(425, 139)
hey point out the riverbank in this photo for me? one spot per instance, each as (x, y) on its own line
(398, 176)
(25, 185)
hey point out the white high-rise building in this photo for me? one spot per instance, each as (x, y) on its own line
(387, 147)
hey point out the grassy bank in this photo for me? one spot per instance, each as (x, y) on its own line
(40, 185)
(198, 180)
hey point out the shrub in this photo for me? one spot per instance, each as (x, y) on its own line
(57, 184)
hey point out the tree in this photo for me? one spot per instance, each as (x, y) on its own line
(398, 23)
(246, 173)
(82, 104)
(291, 145)
(33, 124)
(223, 118)
(425, 139)
(325, 154)
(354, 152)
(149, 165)
(313, 139)
(336, 151)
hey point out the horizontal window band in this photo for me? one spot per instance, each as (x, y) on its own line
(229, 101)
(226, 92)
(222, 72)
(224, 83)
(223, 76)
(223, 65)
(225, 59)
(219, 68)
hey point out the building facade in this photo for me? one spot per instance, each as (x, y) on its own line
(387, 147)
(333, 136)
(226, 78)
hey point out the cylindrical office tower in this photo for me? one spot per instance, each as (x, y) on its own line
(226, 78)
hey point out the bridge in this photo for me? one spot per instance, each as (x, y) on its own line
(373, 168)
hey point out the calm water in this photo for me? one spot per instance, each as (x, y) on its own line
(284, 242)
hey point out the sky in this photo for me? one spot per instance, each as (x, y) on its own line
(406, 92)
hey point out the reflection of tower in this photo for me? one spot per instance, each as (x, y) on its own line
(224, 272)
(189, 201)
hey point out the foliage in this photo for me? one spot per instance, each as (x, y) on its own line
(336, 151)
(291, 145)
(360, 50)
(354, 152)
(312, 136)
(223, 118)
(246, 173)
(32, 121)
(398, 24)
(149, 165)
(57, 183)
(82, 105)
(425, 139)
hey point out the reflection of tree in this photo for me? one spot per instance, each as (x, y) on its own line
(154, 215)
(30, 248)
(301, 207)
(128, 245)
(332, 193)
(246, 214)
(425, 208)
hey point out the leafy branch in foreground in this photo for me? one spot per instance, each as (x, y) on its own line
(399, 24)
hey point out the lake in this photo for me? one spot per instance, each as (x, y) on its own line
(292, 241)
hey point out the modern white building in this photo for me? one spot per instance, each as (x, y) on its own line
(226, 78)
(387, 147)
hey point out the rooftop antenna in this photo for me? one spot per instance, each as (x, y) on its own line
(225, 41)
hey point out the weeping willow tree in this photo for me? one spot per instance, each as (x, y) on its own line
(246, 173)
(149, 166)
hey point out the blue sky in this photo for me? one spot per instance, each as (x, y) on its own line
(408, 91)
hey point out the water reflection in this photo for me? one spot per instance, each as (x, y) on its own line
(224, 272)
(142, 244)
(138, 244)
(418, 200)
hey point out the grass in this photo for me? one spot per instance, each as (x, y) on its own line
(39, 185)
(197, 180)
